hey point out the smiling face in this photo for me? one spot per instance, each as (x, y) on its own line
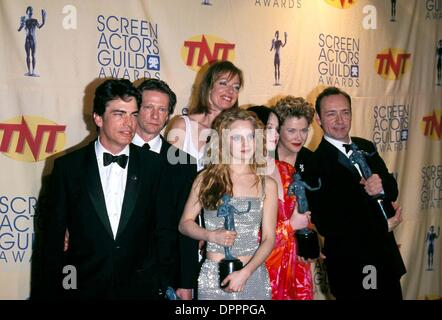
(335, 117)
(154, 113)
(224, 93)
(117, 124)
(293, 134)
(241, 137)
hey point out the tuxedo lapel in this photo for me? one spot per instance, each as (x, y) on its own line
(164, 147)
(341, 158)
(132, 187)
(95, 188)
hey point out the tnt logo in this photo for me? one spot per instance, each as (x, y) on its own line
(341, 4)
(201, 49)
(431, 125)
(31, 139)
(392, 63)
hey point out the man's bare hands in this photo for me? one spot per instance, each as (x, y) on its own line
(394, 221)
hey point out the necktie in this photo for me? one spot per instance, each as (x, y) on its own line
(121, 159)
(348, 147)
(146, 146)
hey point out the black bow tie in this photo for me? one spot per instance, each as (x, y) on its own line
(349, 146)
(121, 159)
(146, 146)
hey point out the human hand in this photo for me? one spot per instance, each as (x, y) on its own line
(299, 221)
(303, 260)
(236, 281)
(223, 237)
(43, 14)
(202, 247)
(394, 221)
(66, 241)
(184, 294)
(373, 185)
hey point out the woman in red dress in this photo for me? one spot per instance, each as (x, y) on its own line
(290, 275)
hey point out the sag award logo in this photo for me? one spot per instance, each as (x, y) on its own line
(277, 44)
(306, 238)
(390, 131)
(341, 4)
(430, 240)
(434, 9)
(30, 25)
(431, 125)
(431, 192)
(392, 63)
(229, 264)
(278, 4)
(201, 49)
(30, 138)
(338, 61)
(393, 10)
(16, 229)
(127, 48)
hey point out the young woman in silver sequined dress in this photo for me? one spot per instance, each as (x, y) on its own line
(234, 170)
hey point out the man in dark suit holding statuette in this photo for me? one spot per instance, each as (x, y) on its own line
(362, 258)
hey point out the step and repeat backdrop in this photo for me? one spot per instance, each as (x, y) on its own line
(386, 54)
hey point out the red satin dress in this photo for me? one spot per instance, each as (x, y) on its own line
(290, 279)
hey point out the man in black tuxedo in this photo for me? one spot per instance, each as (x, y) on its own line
(362, 258)
(158, 103)
(104, 195)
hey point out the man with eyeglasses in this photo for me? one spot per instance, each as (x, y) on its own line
(362, 258)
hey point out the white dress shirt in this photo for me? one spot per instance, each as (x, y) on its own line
(340, 146)
(154, 144)
(113, 181)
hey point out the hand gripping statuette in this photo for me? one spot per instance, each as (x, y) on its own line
(229, 264)
(307, 239)
(359, 157)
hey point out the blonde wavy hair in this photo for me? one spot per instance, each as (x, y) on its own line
(216, 181)
(291, 106)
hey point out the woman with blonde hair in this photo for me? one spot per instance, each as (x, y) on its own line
(232, 178)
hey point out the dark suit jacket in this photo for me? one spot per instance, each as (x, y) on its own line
(125, 267)
(303, 159)
(355, 233)
(176, 185)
